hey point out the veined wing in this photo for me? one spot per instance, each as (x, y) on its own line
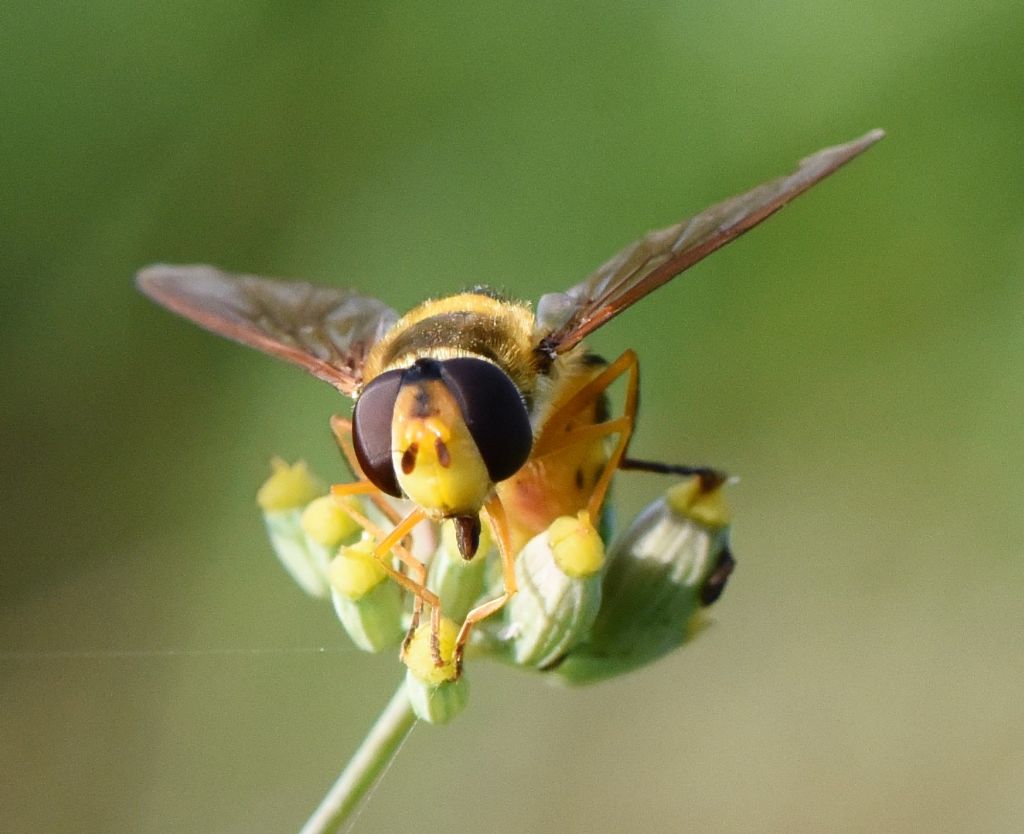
(563, 319)
(326, 330)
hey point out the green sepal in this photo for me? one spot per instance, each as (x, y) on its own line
(436, 704)
(374, 621)
(305, 560)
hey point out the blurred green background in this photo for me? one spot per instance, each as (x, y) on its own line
(857, 361)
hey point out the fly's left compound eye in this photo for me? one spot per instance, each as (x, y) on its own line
(371, 431)
(494, 412)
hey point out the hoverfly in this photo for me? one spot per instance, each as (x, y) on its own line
(473, 404)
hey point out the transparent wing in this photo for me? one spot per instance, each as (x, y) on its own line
(326, 330)
(563, 319)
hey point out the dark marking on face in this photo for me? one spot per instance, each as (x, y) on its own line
(443, 455)
(579, 479)
(409, 458)
(422, 406)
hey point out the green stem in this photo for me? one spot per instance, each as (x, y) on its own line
(373, 755)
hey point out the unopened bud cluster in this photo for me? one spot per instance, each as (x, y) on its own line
(589, 605)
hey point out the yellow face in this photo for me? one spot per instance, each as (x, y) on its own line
(436, 461)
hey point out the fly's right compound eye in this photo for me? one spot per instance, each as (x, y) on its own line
(494, 412)
(371, 431)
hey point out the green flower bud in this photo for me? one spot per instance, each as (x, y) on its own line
(307, 567)
(559, 591)
(374, 621)
(281, 499)
(436, 704)
(367, 603)
(671, 561)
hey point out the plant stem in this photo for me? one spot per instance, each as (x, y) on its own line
(359, 775)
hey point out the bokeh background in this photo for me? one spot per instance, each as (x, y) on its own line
(857, 361)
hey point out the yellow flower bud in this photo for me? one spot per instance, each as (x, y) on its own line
(419, 657)
(327, 523)
(575, 545)
(288, 487)
(354, 572)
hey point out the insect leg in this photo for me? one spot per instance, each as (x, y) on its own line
(553, 431)
(392, 542)
(418, 583)
(554, 434)
(342, 429)
(499, 524)
(709, 476)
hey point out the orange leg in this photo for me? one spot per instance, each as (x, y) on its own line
(342, 429)
(585, 396)
(499, 524)
(388, 543)
(558, 433)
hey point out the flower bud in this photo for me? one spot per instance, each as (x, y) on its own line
(281, 499)
(436, 704)
(671, 561)
(437, 694)
(326, 522)
(288, 487)
(354, 571)
(324, 525)
(558, 573)
(576, 546)
(368, 605)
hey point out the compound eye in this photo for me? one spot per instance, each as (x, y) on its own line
(494, 412)
(371, 431)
